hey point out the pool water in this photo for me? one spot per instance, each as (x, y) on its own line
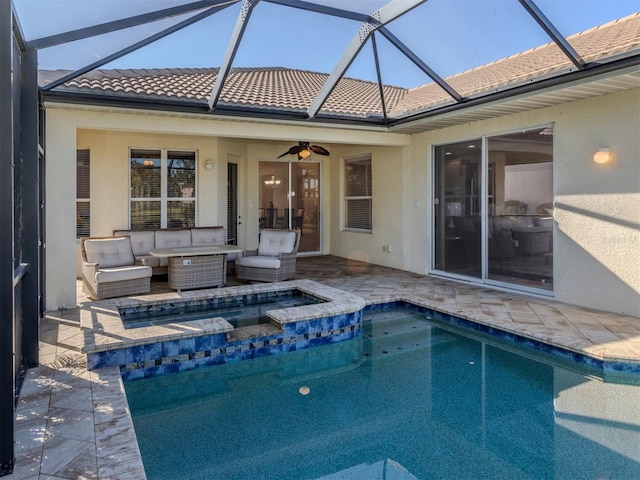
(408, 399)
(242, 311)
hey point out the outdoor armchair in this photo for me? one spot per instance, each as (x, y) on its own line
(274, 260)
(109, 270)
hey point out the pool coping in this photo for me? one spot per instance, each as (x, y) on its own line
(483, 322)
(104, 329)
(597, 357)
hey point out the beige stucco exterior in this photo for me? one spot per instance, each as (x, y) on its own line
(597, 214)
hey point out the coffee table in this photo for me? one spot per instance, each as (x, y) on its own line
(198, 266)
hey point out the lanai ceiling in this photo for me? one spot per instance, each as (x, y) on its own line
(416, 64)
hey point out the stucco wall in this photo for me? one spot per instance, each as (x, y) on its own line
(596, 237)
(597, 215)
(110, 134)
(389, 221)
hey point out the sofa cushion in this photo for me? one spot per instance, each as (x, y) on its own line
(259, 261)
(173, 238)
(275, 242)
(109, 252)
(118, 274)
(148, 260)
(208, 236)
(141, 241)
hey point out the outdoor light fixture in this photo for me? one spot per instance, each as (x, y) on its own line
(208, 165)
(303, 150)
(602, 156)
(273, 183)
(304, 154)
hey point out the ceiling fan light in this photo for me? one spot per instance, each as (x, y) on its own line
(304, 154)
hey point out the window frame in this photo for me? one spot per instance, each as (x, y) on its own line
(164, 197)
(367, 158)
(86, 176)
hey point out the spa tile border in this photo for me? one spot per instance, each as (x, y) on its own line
(155, 350)
(104, 330)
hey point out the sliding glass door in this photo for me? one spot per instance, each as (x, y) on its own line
(458, 206)
(493, 209)
(290, 199)
(520, 223)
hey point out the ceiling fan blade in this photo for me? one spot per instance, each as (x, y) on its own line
(292, 151)
(319, 150)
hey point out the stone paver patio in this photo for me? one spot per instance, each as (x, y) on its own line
(74, 424)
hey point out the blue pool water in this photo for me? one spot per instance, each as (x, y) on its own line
(239, 311)
(408, 399)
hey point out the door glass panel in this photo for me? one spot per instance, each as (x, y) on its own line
(298, 208)
(520, 230)
(305, 204)
(274, 187)
(181, 189)
(457, 219)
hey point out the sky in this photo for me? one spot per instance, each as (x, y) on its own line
(450, 36)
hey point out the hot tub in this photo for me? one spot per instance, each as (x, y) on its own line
(156, 347)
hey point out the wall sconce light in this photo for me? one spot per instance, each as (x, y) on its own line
(208, 165)
(602, 156)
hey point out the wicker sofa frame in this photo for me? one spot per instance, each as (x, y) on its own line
(286, 271)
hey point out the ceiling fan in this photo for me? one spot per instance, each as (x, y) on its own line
(303, 150)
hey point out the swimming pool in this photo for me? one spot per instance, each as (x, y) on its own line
(409, 398)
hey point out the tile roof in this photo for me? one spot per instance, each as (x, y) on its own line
(607, 40)
(287, 90)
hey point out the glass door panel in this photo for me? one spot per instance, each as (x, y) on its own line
(290, 199)
(520, 227)
(457, 208)
(305, 204)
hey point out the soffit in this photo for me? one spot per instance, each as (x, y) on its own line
(613, 82)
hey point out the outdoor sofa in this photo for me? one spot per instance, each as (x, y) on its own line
(142, 241)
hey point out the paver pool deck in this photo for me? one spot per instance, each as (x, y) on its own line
(75, 424)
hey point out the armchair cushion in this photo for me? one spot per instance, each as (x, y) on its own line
(260, 261)
(275, 242)
(109, 252)
(118, 274)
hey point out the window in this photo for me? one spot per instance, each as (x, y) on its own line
(357, 194)
(83, 194)
(163, 189)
